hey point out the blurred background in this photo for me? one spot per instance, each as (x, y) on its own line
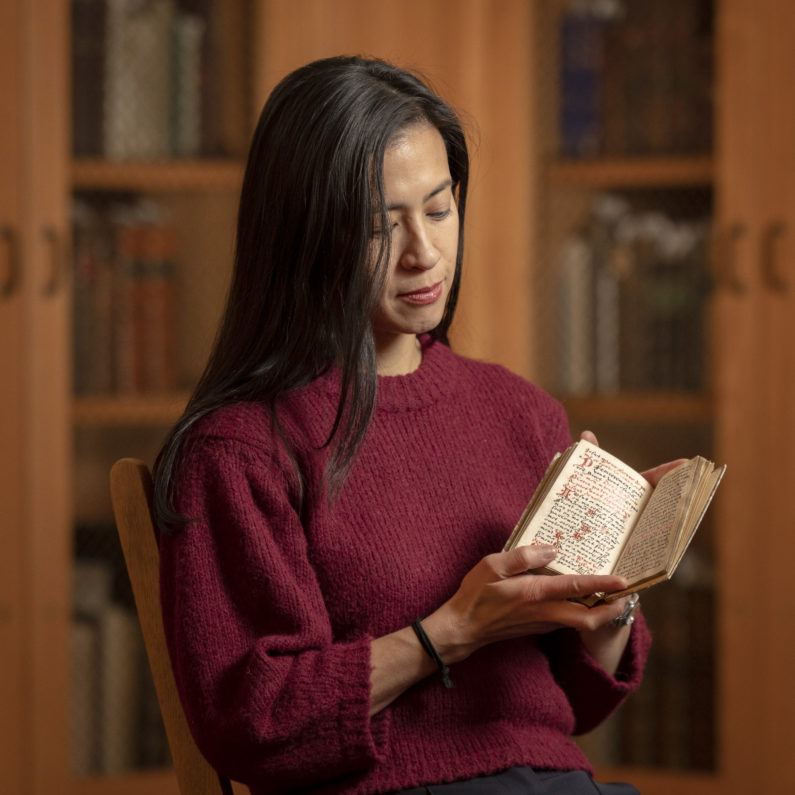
(629, 248)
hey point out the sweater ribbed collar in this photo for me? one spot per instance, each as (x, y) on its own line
(427, 385)
(431, 382)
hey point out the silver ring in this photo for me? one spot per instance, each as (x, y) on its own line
(628, 616)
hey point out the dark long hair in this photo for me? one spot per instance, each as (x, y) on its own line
(304, 287)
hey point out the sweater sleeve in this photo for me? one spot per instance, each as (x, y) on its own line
(592, 692)
(268, 694)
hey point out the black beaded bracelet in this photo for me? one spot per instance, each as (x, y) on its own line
(432, 653)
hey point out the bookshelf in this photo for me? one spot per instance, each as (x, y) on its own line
(160, 125)
(622, 239)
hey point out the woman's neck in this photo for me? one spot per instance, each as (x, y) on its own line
(398, 355)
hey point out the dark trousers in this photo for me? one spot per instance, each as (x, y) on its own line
(526, 781)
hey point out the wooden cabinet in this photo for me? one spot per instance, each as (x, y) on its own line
(755, 383)
(34, 404)
(495, 60)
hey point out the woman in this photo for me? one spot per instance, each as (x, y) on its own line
(339, 473)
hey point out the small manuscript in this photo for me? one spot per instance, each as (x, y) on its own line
(603, 517)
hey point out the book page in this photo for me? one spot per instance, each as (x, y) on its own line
(586, 515)
(708, 477)
(648, 549)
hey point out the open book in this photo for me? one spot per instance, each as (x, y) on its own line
(603, 517)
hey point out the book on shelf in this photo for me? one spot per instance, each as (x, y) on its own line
(635, 78)
(632, 291)
(88, 58)
(186, 105)
(145, 304)
(159, 79)
(581, 80)
(84, 721)
(603, 517)
(125, 299)
(92, 315)
(115, 720)
(137, 80)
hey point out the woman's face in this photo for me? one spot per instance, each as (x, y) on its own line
(423, 230)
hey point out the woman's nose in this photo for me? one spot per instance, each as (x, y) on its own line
(419, 251)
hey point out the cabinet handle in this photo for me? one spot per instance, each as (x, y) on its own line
(725, 254)
(12, 279)
(57, 272)
(771, 276)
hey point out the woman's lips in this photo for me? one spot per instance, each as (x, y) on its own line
(426, 295)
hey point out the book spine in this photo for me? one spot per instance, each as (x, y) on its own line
(126, 298)
(84, 728)
(145, 300)
(575, 338)
(137, 84)
(189, 34)
(581, 62)
(122, 654)
(155, 310)
(88, 65)
(92, 587)
(93, 310)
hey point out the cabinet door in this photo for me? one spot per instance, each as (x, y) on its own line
(755, 389)
(45, 385)
(34, 404)
(11, 403)
(773, 425)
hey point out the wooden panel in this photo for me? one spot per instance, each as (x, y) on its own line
(474, 53)
(12, 662)
(157, 177)
(753, 333)
(634, 172)
(45, 386)
(775, 275)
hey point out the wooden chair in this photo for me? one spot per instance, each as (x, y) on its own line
(131, 495)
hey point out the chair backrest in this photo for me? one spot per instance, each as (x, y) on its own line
(131, 495)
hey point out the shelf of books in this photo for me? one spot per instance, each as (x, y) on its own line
(622, 295)
(160, 110)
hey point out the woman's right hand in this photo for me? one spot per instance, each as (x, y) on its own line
(500, 599)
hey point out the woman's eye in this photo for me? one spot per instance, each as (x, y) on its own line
(382, 231)
(440, 214)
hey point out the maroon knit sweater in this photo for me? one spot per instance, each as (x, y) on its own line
(270, 609)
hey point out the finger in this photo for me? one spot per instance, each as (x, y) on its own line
(577, 586)
(598, 616)
(655, 474)
(523, 559)
(590, 437)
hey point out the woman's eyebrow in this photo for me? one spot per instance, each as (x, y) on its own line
(448, 183)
